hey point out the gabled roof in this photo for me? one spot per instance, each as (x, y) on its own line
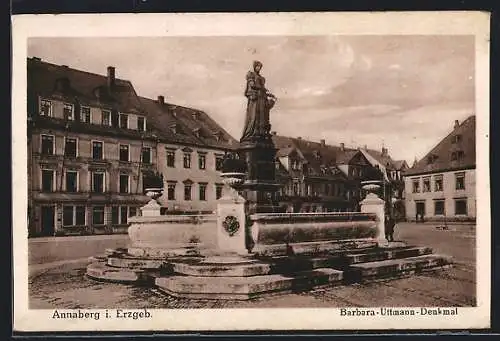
(321, 159)
(88, 88)
(192, 126)
(381, 157)
(440, 157)
(400, 164)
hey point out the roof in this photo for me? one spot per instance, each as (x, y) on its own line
(439, 158)
(187, 125)
(321, 159)
(400, 164)
(88, 88)
(92, 89)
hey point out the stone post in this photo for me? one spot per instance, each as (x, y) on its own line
(373, 204)
(152, 208)
(231, 221)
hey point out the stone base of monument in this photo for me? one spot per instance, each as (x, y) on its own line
(216, 275)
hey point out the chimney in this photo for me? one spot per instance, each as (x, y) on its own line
(365, 147)
(455, 126)
(111, 76)
(299, 138)
(161, 100)
(273, 133)
(323, 142)
(384, 151)
(37, 58)
(64, 66)
(342, 146)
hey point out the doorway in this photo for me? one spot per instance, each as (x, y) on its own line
(420, 208)
(48, 214)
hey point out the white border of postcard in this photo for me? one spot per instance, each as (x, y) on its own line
(130, 25)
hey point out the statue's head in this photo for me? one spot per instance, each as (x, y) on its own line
(257, 66)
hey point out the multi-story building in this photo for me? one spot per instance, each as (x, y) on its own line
(189, 156)
(91, 141)
(320, 177)
(442, 185)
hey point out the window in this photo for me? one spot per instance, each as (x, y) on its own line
(73, 215)
(202, 161)
(171, 191)
(295, 189)
(68, 112)
(438, 183)
(219, 160)
(146, 155)
(106, 117)
(187, 192)
(141, 123)
(47, 180)
(85, 114)
(170, 158)
(124, 152)
(460, 181)
(115, 217)
(132, 211)
(70, 147)
(98, 182)
(218, 191)
(460, 206)
(123, 214)
(427, 185)
(457, 139)
(416, 185)
(124, 183)
(439, 207)
(47, 145)
(203, 192)
(97, 150)
(98, 215)
(123, 121)
(45, 108)
(71, 181)
(187, 160)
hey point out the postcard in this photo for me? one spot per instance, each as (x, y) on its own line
(251, 171)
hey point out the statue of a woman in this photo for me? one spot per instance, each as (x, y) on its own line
(260, 101)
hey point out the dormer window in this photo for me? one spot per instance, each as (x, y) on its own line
(431, 159)
(457, 139)
(175, 128)
(218, 135)
(195, 116)
(141, 123)
(124, 121)
(68, 112)
(197, 132)
(457, 155)
(45, 108)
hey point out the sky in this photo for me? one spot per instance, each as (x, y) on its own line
(401, 92)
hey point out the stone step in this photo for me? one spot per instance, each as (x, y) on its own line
(313, 248)
(133, 262)
(385, 254)
(395, 267)
(160, 253)
(206, 269)
(244, 288)
(100, 271)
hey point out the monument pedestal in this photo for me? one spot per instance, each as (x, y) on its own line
(373, 204)
(260, 185)
(231, 223)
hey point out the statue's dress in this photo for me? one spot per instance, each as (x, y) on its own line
(257, 117)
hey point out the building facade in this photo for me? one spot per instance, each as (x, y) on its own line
(317, 177)
(91, 142)
(442, 185)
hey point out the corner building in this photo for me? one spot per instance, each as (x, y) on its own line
(92, 139)
(442, 185)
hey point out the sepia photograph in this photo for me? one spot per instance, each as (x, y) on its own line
(287, 171)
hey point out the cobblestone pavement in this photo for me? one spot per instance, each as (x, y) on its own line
(65, 285)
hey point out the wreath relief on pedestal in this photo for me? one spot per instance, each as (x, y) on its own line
(231, 225)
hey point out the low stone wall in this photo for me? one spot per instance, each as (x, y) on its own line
(173, 231)
(289, 228)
